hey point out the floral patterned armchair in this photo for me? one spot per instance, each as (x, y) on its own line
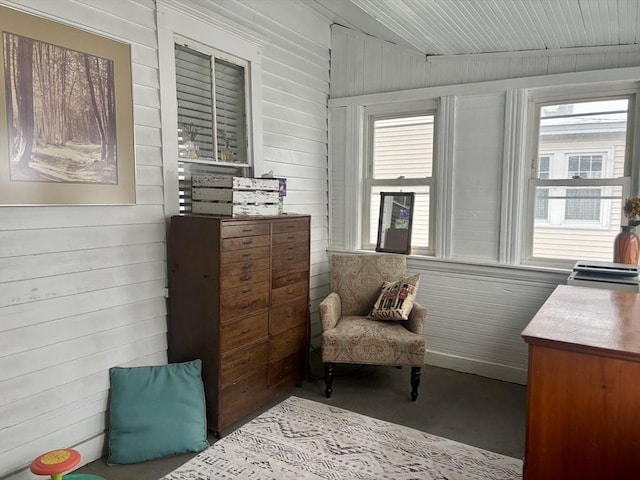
(348, 336)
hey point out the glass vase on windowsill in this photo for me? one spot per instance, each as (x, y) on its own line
(190, 148)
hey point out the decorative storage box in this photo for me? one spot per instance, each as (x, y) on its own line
(225, 195)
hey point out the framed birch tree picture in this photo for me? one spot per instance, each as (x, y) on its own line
(66, 115)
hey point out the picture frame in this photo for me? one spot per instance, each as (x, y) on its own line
(395, 222)
(66, 115)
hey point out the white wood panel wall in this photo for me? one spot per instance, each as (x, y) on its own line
(475, 317)
(362, 64)
(477, 176)
(82, 288)
(476, 307)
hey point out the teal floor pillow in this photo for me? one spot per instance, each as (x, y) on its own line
(156, 411)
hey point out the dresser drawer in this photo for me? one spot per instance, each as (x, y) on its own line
(288, 342)
(243, 331)
(250, 254)
(284, 265)
(288, 316)
(292, 251)
(291, 226)
(237, 302)
(289, 370)
(289, 292)
(291, 237)
(242, 362)
(243, 397)
(244, 230)
(241, 243)
(241, 268)
(246, 277)
(290, 278)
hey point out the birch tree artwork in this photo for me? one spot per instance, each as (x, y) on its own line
(61, 113)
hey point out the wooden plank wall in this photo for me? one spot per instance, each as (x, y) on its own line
(362, 64)
(82, 288)
(477, 308)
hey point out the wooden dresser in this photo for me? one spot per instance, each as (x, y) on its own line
(239, 301)
(583, 391)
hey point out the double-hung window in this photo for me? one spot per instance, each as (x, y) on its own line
(579, 175)
(401, 159)
(211, 98)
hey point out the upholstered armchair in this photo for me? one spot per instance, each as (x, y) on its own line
(348, 336)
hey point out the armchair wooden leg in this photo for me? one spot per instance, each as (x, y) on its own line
(328, 379)
(415, 382)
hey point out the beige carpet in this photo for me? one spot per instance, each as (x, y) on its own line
(302, 439)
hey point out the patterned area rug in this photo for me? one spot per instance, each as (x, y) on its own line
(302, 439)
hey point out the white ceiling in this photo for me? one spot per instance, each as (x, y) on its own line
(451, 27)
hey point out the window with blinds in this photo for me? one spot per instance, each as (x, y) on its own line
(211, 98)
(212, 122)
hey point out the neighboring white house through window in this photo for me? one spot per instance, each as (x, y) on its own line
(401, 157)
(579, 178)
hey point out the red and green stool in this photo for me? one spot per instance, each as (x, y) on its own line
(56, 462)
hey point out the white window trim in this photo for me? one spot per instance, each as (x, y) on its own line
(177, 20)
(525, 103)
(389, 110)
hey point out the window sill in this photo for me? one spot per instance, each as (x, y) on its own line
(527, 273)
(209, 161)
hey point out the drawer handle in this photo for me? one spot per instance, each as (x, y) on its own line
(246, 230)
(247, 242)
(246, 255)
(244, 307)
(245, 277)
(290, 248)
(246, 290)
(245, 331)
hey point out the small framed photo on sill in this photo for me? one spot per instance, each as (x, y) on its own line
(395, 222)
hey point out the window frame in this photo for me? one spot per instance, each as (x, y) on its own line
(385, 112)
(535, 101)
(215, 54)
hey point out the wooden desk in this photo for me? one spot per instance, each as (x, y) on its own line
(583, 391)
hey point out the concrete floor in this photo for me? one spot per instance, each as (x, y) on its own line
(478, 411)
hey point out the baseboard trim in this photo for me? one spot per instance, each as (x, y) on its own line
(477, 367)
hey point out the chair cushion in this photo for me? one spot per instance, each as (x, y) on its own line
(357, 278)
(395, 300)
(357, 339)
(156, 411)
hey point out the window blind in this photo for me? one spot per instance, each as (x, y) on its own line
(211, 100)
